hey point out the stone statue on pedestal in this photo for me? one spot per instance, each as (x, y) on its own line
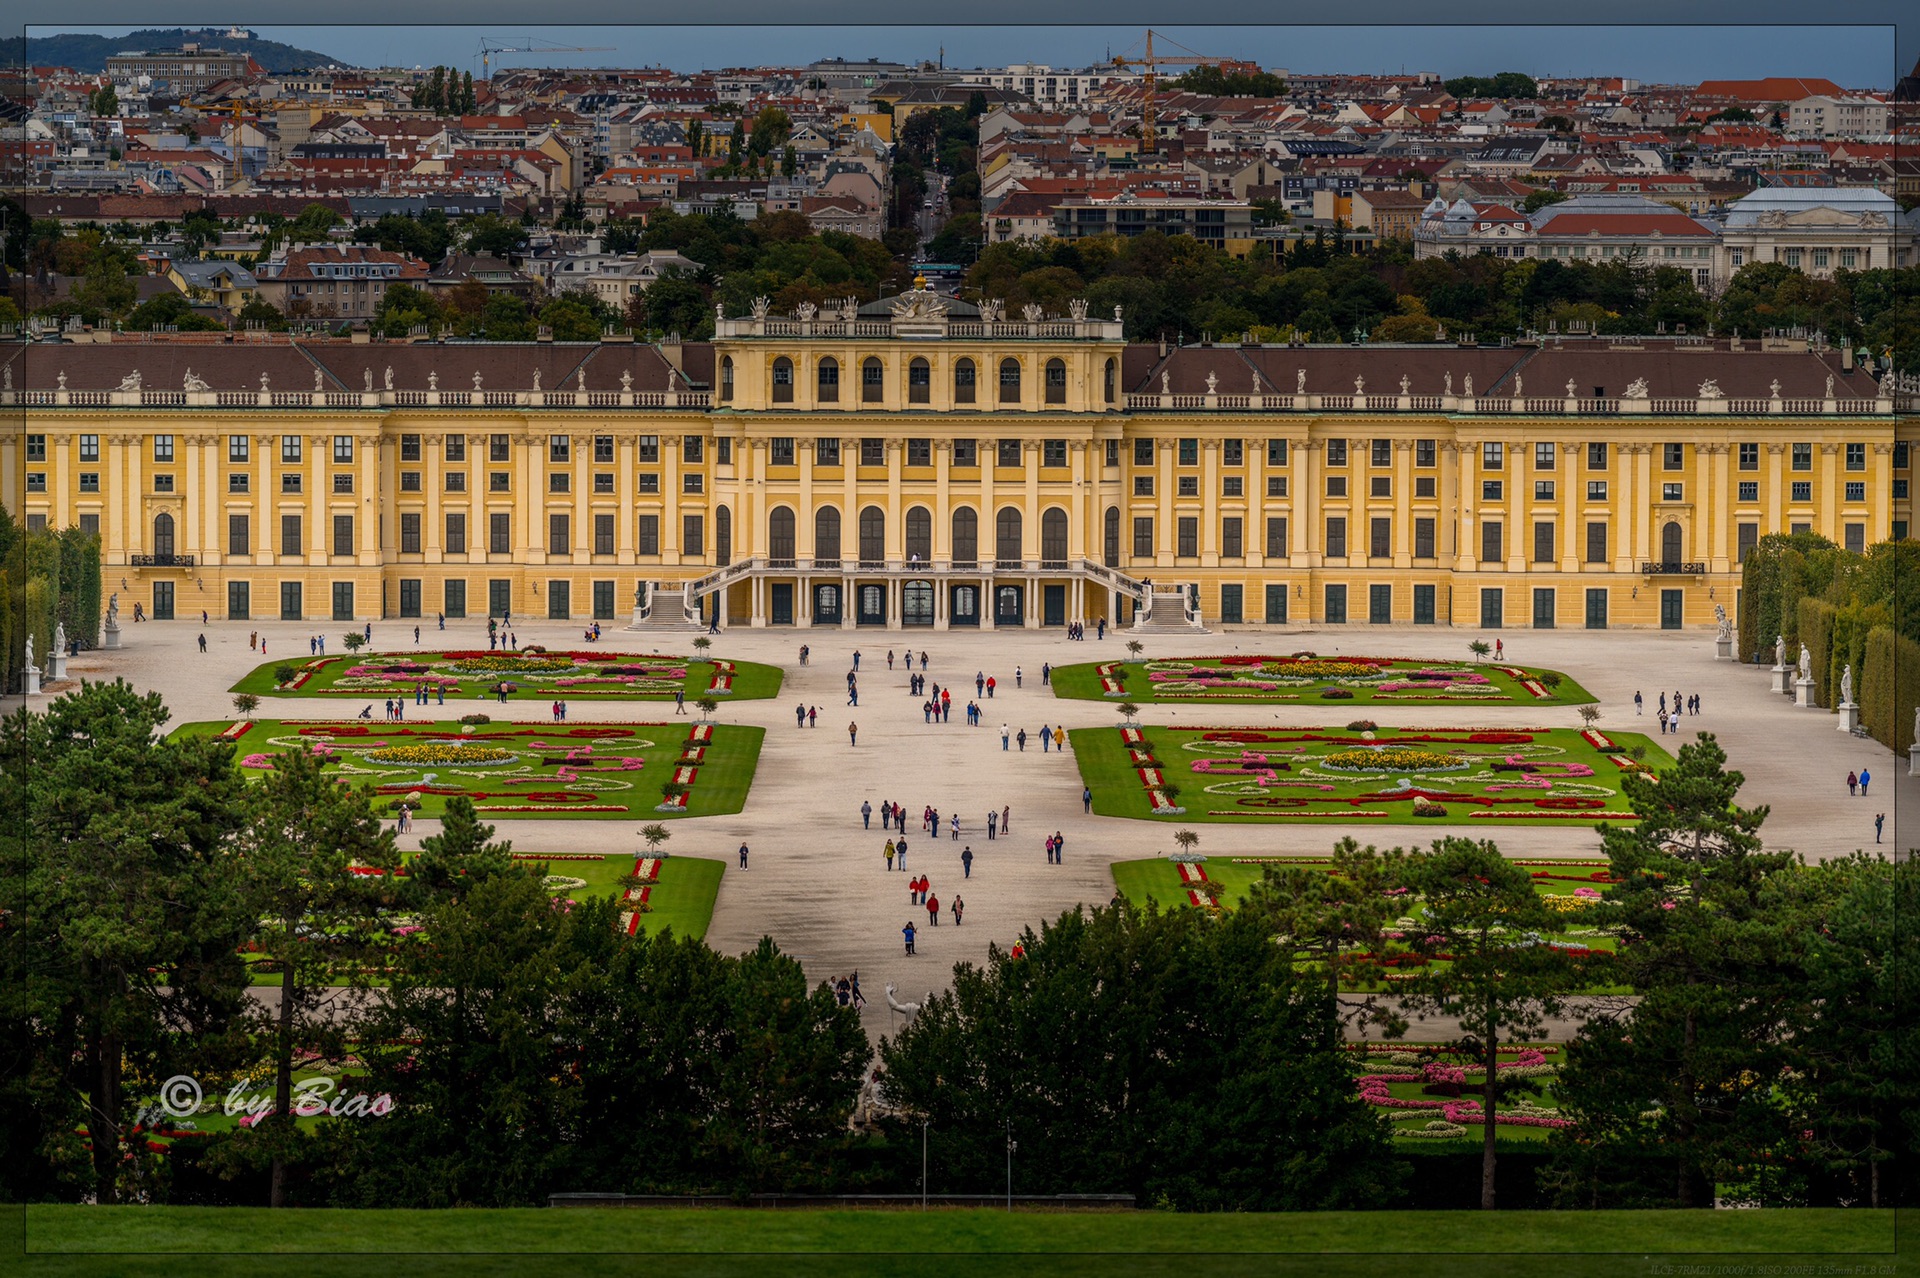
(1779, 651)
(59, 636)
(30, 662)
(1846, 685)
(1720, 618)
(1806, 663)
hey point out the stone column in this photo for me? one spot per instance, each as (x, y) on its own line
(1403, 505)
(1829, 525)
(1717, 497)
(1210, 503)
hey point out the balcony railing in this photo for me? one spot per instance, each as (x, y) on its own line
(1673, 569)
(161, 561)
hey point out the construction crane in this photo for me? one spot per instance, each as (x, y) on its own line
(236, 110)
(490, 45)
(1150, 62)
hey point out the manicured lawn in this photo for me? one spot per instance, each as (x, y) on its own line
(587, 674)
(1334, 681)
(900, 1242)
(1540, 776)
(520, 769)
(682, 896)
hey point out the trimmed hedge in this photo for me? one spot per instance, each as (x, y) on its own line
(1890, 687)
(1816, 632)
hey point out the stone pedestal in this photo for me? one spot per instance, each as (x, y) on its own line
(57, 666)
(1913, 759)
(33, 681)
(110, 637)
(1780, 674)
(1803, 694)
(1723, 649)
(1849, 717)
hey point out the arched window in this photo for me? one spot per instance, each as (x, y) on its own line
(1053, 537)
(1671, 550)
(1009, 381)
(873, 535)
(964, 379)
(726, 380)
(1006, 535)
(826, 534)
(919, 382)
(163, 534)
(722, 537)
(780, 533)
(1056, 381)
(829, 382)
(1111, 537)
(783, 380)
(919, 533)
(873, 381)
(1112, 377)
(966, 535)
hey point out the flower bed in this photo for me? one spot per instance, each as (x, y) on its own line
(1364, 679)
(480, 673)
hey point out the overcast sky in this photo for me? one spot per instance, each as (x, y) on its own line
(1855, 56)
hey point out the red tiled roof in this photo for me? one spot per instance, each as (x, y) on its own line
(1624, 224)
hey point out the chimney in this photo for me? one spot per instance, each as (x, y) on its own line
(1846, 357)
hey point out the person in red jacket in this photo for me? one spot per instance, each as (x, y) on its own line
(933, 910)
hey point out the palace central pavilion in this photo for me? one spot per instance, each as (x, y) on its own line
(923, 462)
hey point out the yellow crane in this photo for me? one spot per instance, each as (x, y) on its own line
(491, 45)
(236, 110)
(1150, 63)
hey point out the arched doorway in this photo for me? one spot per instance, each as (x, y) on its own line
(873, 536)
(1110, 537)
(916, 603)
(722, 536)
(919, 534)
(780, 534)
(1053, 538)
(826, 537)
(1672, 548)
(966, 536)
(162, 538)
(1006, 536)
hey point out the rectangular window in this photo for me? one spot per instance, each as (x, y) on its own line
(1855, 536)
(1380, 605)
(780, 451)
(603, 448)
(90, 448)
(1749, 490)
(1336, 598)
(1492, 608)
(1596, 456)
(1543, 490)
(499, 481)
(290, 448)
(1232, 486)
(1749, 457)
(1802, 490)
(237, 448)
(1423, 453)
(454, 449)
(1543, 458)
(1900, 454)
(1802, 457)
(290, 539)
(90, 527)
(692, 483)
(1276, 604)
(1336, 452)
(602, 481)
(409, 532)
(37, 481)
(1143, 485)
(1423, 486)
(693, 450)
(1673, 492)
(1423, 529)
(1189, 485)
(499, 532)
(343, 483)
(1544, 608)
(1143, 536)
(647, 450)
(559, 534)
(90, 481)
(559, 448)
(1143, 452)
(239, 600)
(920, 452)
(966, 452)
(1336, 537)
(603, 534)
(1899, 488)
(1746, 537)
(1053, 453)
(1008, 453)
(1380, 486)
(693, 536)
(1491, 489)
(1232, 605)
(1493, 456)
(1596, 541)
(1232, 537)
(1276, 485)
(1490, 541)
(409, 448)
(1336, 485)
(559, 481)
(647, 483)
(1597, 609)
(289, 483)
(163, 448)
(1673, 456)
(1189, 452)
(237, 482)
(1113, 452)
(1382, 452)
(499, 448)
(1423, 605)
(456, 532)
(649, 535)
(1542, 542)
(1276, 452)
(1232, 452)
(1276, 537)
(1380, 538)
(454, 597)
(343, 535)
(1856, 490)
(1596, 490)
(1856, 456)
(1187, 533)
(239, 535)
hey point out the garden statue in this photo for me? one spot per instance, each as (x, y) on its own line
(1774, 386)
(1779, 651)
(1466, 387)
(62, 379)
(1166, 382)
(30, 664)
(1449, 382)
(1846, 685)
(1829, 386)
(1299, 381)
(59, 636)
(389, 377)
(366, 380)
(1806, 662)
(1726, 626)
(113, 611)
(536, 381)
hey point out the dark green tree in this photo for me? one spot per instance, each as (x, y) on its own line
(460, 857)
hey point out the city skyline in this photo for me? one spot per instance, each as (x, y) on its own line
(1859, 57)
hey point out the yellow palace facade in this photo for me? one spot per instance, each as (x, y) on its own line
(922, 463)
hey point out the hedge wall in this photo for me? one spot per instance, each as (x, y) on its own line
(1890, 687)
(1816, 632)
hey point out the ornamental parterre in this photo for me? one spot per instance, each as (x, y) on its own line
(479, 673)
(1311, 678)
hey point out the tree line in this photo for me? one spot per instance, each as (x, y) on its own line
(1191, 1059)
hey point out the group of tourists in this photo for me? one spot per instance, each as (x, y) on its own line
(846, 989)
(1054, 738)
(1669, 719)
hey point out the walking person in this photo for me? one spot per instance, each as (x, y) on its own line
(679, 700)
(1638, 703)
(907, 933)
(1059, 738)
(1853, 784)
(1016, 676)
(933, 910)
(1006, 819)
(866, 816)
(1046, 738)
(1879, 821)
(889, 856)
(1046, 674)
(1022, 739)
(1865, 776)
(853, 734)
(956, 827)
(1086, 799)
(993, 822)
(203, 643)
(966, 861)
(743, 856)
(1003, 736)
(900, 847)
(959, 908)
(1059, 848)
(992, 683)
(813, 716)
